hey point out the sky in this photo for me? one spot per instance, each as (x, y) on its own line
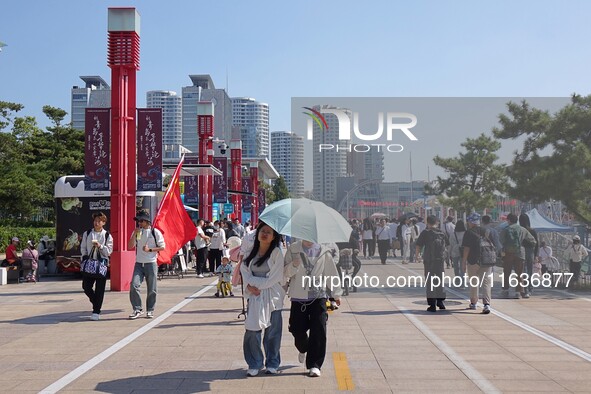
(276, 50)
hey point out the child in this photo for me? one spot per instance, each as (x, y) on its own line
(225, 273)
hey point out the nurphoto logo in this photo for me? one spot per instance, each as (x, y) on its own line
(391, 122)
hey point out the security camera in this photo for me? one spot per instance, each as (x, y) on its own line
(223, 147)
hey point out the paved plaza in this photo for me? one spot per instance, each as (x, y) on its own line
(380, 340)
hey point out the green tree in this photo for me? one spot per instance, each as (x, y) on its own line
(473, 177)
(280, 189)
(555, 160)
(6, 112)
(19, 192)
(269, 194)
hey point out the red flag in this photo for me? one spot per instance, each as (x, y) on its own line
(172, 219)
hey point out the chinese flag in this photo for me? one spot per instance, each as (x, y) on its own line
(172, 219)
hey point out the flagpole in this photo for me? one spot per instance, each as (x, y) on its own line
(175, 175)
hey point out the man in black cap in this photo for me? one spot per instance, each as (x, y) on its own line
(148, 241)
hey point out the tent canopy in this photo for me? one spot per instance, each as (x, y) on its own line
(542, 224)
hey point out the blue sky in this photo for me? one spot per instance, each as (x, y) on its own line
(274, 50)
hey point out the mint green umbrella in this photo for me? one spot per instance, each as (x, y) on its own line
(306, 219)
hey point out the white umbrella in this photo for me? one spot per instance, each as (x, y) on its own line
(306, 219)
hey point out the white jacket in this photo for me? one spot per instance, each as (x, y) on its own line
(323, 266)
(272, 293)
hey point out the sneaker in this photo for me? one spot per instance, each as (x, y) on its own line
(136, 314)
(525, 295)
(517, 296)
(271, 371)
(302, 357)
(432, 308)
(486, 309)
(231, 294)
(95, 316)
(314, 372)
(252, 372)
(472, 306)
(217, 294)
(334, 305)
(200, 275)
(505, 294)
(150, 315)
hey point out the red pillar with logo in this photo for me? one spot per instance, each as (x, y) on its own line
(236, 161)
(123, 59)
(254, 187)
(205, 131)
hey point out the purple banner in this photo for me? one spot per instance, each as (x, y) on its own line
(220, 182)
(191, 190)
(97, 140)
(149, 149)
(246, 200)
(262, 199)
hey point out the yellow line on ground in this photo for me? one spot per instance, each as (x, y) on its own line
(343, 375)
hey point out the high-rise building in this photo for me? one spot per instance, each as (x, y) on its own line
(253, 119)
(170, 102)
(329, 164)
(203, 89)
(287, 156)
(365, 166)
(96, 93)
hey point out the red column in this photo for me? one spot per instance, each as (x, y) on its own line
(254, 187)
(236, 160)
(205, 131)
(123, 59)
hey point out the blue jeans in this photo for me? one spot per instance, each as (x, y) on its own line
(271, 342)
(141, 271)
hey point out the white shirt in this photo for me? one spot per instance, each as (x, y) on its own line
(383, 233)
(200, 242)
(146, 238)
(218, 239)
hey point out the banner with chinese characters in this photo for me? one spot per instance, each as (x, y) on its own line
(262, 199)
(220, 182)
(97, 135)
(191, 190)
(149, 149)
(246, 200)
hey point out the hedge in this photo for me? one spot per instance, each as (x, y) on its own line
(24, 234)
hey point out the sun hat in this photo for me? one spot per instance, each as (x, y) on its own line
(473, 218)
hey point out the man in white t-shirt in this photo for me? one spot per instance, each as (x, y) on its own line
(200, 248)
(148, 242)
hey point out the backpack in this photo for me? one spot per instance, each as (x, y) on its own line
(488, 252)
(513, 237)
(437, 246)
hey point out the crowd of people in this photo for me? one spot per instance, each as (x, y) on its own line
(270, 266)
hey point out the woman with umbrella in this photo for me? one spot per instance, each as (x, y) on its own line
(262, 274)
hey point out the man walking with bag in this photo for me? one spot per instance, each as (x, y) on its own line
(148, 242)
(479, 258)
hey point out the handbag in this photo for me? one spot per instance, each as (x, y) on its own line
(396, 244)
(94, 267)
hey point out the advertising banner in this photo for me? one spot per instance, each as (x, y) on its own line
(191, 190)
(246, 200)
(220, 182)
(97, 136)
(149, 149)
